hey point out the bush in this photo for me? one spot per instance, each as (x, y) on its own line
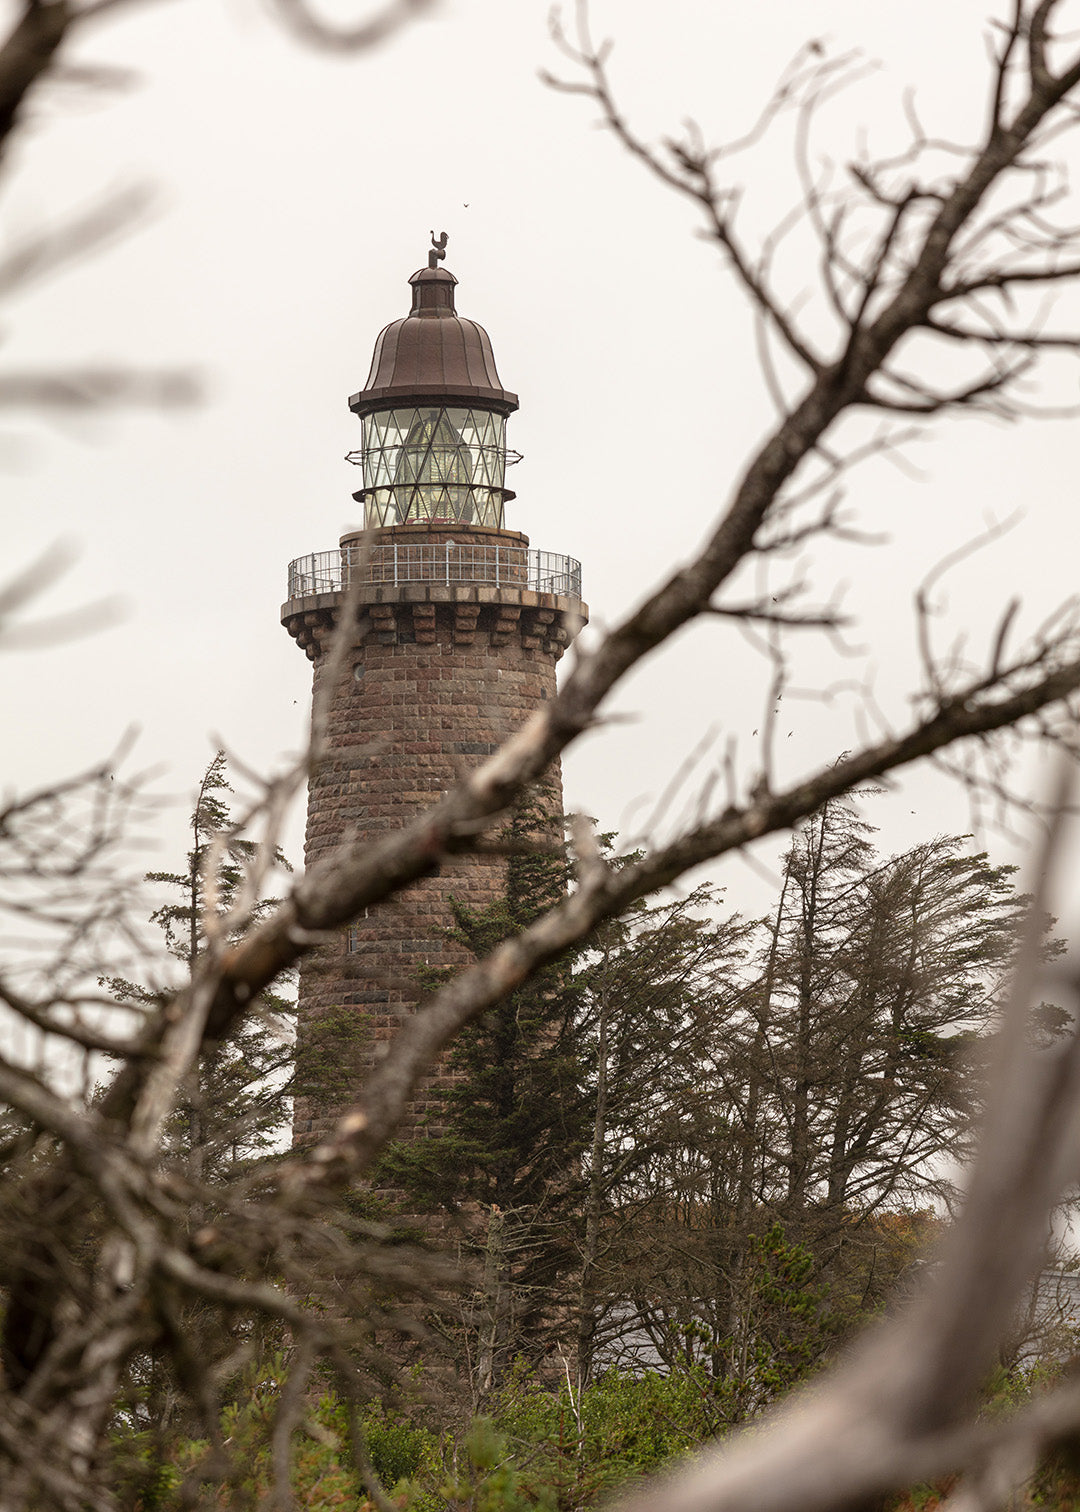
(540, 1450)
(151, 1474)
(621, 1427)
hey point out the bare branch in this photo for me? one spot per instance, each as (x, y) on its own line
(301, 17)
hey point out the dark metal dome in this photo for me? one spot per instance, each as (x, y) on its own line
(434, 355)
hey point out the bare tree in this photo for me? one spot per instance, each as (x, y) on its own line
(123, 1246)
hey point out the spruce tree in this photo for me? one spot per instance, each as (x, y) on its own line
(230, 1116)
(236, 1108)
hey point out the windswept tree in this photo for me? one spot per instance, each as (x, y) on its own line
(648, 979)
(879, 977)
(814, 1110)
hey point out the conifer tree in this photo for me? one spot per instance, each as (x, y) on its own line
(814, 1110)
(234, 1109)
(643, 987)
(501, 1151)
(237, 1108)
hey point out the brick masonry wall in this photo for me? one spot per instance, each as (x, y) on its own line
(436, 678)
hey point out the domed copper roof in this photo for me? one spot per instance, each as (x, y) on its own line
(433, 354)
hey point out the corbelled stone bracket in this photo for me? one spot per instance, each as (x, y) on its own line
(430, 613)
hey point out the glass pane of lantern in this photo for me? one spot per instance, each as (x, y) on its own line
(434, 463)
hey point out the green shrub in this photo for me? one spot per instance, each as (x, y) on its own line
(397, 1451)
(540, 1449)
(142, 1476)
(622, 1427)
(149, 1474)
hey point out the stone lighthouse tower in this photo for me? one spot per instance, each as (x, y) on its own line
(456, 627)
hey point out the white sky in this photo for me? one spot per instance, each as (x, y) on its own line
(295, 192)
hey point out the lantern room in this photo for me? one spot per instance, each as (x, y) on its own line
(433, 413)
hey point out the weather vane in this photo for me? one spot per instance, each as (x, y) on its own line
(438, 250)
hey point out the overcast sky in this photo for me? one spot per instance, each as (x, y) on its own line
(293, 196)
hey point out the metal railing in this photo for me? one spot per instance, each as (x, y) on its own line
(445, 562)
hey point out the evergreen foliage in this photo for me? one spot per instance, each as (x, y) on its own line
(711, 1142)
(235, 1111)
(810, 1092)
(702, 1143)
(644, 985)
(502, 1149)
(538, 1449)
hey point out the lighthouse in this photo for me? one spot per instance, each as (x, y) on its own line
(455, 627)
